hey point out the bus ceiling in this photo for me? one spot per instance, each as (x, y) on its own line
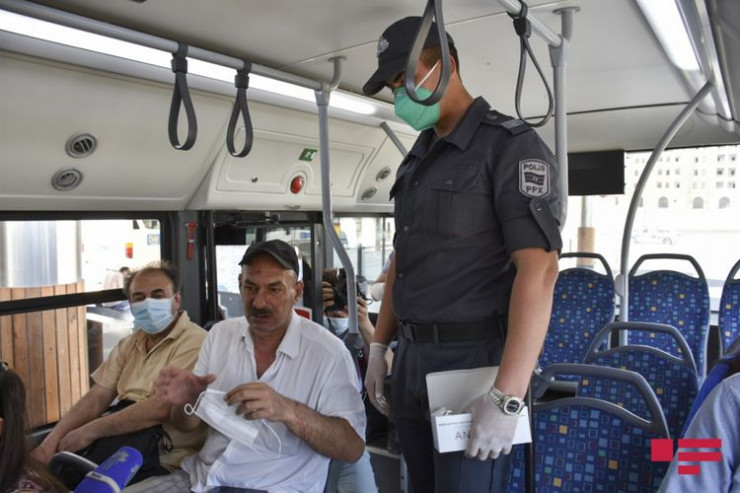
(623, 91)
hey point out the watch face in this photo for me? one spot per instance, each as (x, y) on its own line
(513, 406)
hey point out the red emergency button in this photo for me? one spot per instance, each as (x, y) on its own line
(296, 184)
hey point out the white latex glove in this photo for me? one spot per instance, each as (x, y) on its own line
(377, 369)
(492, 431)
(377, 290)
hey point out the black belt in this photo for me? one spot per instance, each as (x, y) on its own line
(455, 332)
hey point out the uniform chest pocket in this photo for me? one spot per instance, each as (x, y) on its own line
(462, 201)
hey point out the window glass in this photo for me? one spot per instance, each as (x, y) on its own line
(682, 219)
(369, 242)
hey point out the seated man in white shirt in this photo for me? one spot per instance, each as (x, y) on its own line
(282, 378)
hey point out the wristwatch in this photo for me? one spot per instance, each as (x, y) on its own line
(511, 405)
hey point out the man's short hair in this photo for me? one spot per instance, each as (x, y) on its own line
(163, 266)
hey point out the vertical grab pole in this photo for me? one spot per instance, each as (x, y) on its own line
(322, 101)
(558, 59)
(629, 222)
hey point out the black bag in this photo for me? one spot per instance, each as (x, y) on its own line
(146, 441)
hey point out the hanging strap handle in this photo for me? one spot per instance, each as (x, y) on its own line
(181, 95)
(241, 81)
(524, 30)
(432, 10)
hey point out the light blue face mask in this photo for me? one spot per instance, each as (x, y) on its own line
(419, 116)
(152, 315)
(338, 325)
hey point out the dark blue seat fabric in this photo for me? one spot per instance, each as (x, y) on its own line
(583, 302)
(674, 379)
(729, 309)
(671, 298)
(588, 445)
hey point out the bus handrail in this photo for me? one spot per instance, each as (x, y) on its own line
(432, 9)
(241, 81)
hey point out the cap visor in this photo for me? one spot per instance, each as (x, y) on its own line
(388, 70)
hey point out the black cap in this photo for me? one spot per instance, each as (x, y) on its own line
(394, 46)
(277, 249)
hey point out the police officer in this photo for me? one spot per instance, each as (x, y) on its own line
(477, 213)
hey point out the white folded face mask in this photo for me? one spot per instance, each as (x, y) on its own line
(214, 410)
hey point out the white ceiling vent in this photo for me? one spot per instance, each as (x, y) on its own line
(66, 179)
(82, 145)
(383, 174)
(369, 193)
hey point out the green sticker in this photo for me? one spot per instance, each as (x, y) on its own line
(308, 154)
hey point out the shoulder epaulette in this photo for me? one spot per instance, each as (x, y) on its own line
(514, 126)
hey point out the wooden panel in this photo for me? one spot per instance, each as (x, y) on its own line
(20, 343)
(6, 332)
(51, 374)
(74, 348)
(62, 330)
(82, 331)
(48, 350)
(34, 336)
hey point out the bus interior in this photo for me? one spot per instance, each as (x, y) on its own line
(104, 169)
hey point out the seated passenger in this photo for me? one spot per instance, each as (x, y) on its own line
(277, 390)
(725, 367)
(165, 336)
(717, 418)
(18, 472)
(346, 477)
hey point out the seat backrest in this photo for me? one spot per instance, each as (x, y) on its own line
(583, 302)
(729, 309)
(672, 298)
(582, 441)
(673, 378)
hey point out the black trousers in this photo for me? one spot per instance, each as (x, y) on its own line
(430, 471)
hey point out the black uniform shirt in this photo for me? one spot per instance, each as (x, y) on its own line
(463, 203)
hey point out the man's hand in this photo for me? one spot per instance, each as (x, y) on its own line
(492, 431)
(258, 400)
(377, 369)
(78, 439)
(178, 386)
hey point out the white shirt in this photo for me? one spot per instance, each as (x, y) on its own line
(312, 367)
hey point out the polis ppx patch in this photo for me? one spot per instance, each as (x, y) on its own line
(534, 178)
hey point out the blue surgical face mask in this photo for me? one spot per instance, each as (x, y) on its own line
(152, 315)
(419, 116)
(338, 325)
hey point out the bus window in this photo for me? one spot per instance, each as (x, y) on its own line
(668, 220)
(54, 345)
(369, 242)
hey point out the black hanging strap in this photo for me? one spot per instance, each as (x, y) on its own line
(241, 81)
(432, 10)
(523, 29)
(180, 94)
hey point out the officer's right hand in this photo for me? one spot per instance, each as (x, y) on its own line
(377, 369)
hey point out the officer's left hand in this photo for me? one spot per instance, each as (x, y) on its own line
(492, 431)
